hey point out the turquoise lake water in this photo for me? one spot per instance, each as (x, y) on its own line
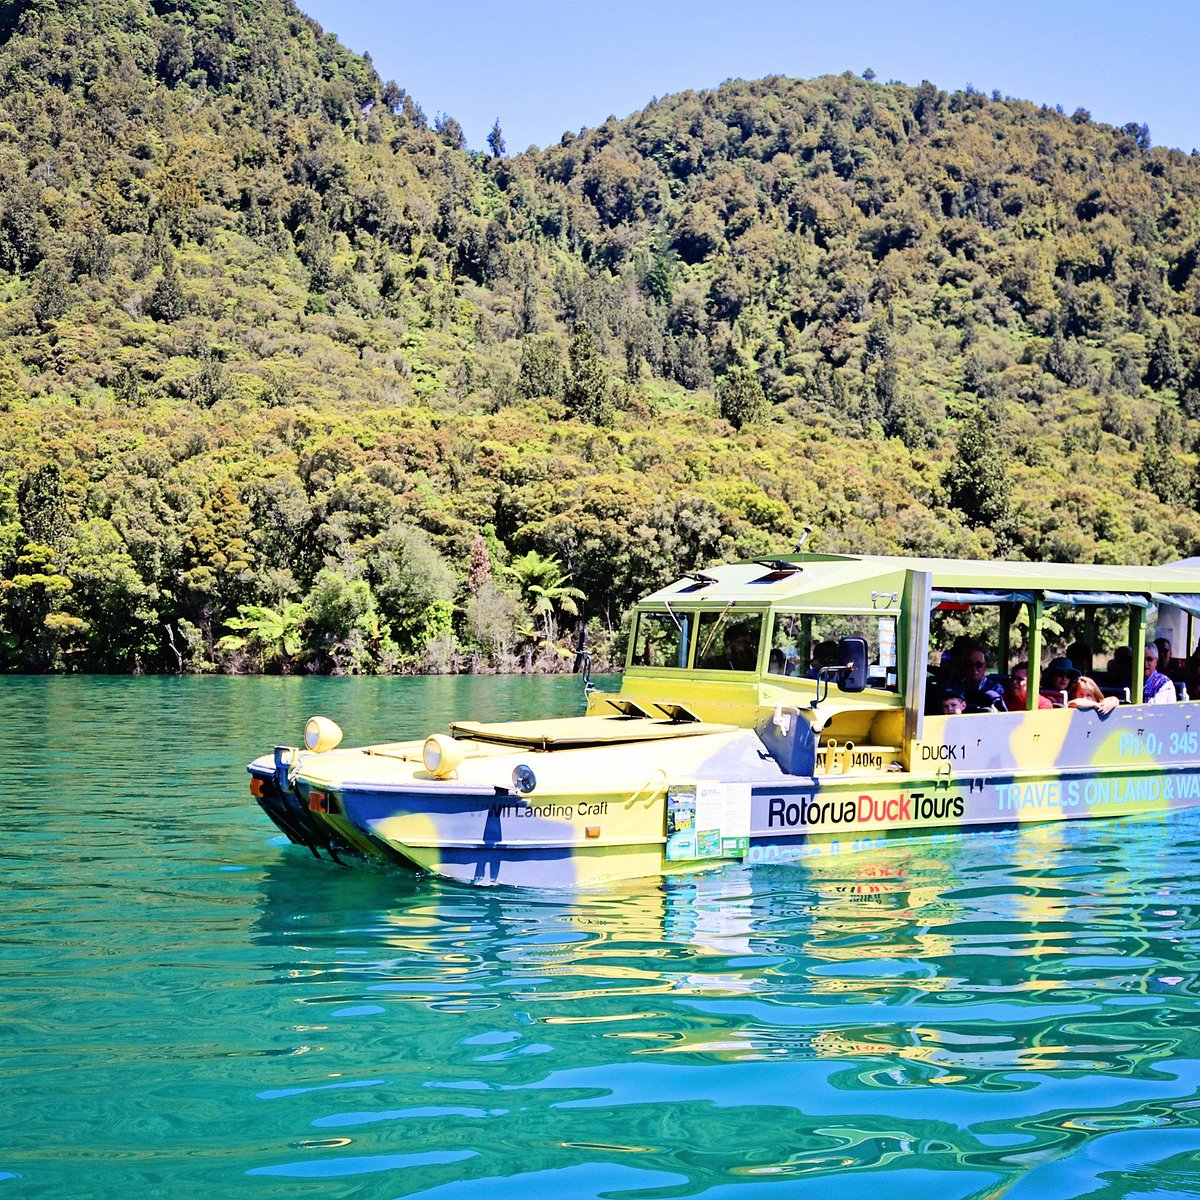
(190, 1005)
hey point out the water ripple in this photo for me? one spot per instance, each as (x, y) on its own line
(187, 1003)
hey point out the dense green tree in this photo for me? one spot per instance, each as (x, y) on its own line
(36, 628)
(1067, 362)
(91, 254)
(218, 557)
(904, 417)
(587, 396)
(697, 233)
(685, 532)
(977, 480)
(12, 532)
(740, 398)
(1168, 428)
(109, 595)
(1164, 369)
(1161, 472)
(168, 301)
(345, 633)
(541, 372)
(496, 141)
(413, 586)
(212, 382)
(43, 504)
(450, 131)
(51, 295)
(659, 282)
(24, 227)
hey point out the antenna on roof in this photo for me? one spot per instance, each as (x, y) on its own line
(803, 538)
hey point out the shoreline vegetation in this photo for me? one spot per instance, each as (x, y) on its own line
(290, 379)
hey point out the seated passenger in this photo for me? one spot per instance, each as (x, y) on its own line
(777, 664)
(960, 650)
(741, 651)
(1189, 677)
(1157, 689)
(953, 702)
(1166, 664)
(1080, 653)
(980, 691)
(1057, 679)
(825, 654)
(1086, 693)
(1120, 668)
(1017, 692)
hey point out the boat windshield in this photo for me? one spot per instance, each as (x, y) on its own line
(724, 639)
(803, 643)
(728, 640)
(663, 639)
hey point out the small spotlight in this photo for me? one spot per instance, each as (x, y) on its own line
(321, 734)
(523, 779)
(442, 755)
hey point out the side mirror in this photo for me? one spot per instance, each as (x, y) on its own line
(853, 652)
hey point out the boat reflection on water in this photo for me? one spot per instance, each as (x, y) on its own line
(975, 1007)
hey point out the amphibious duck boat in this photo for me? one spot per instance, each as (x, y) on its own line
(771, 710)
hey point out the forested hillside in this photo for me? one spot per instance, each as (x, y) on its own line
(291, 380)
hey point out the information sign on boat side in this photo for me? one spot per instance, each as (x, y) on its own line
(708, 820)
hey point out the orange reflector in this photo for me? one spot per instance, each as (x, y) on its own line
(318, 802)
(257, 787)
(593, 831)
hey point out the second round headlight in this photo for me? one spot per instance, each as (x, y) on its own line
(442, 755)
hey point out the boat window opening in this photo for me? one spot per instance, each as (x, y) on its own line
(707, 631)
(954, 627)
(975, 642)
(663, 639)
(790, 642)
(1088, 636)
(1175, 620)
(803, 643)
(727, 641)
(1093, 632)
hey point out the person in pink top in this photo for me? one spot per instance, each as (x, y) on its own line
(1018, 689)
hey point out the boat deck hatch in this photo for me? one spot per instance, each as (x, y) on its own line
(570, 732)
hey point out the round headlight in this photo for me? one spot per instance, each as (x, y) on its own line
(523, 779)
(321, 734)
(442, 755)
